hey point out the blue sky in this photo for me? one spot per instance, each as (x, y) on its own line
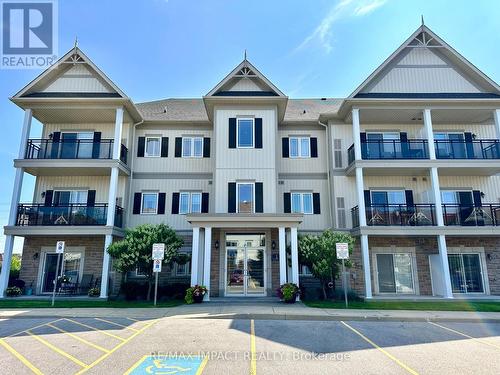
(155, 49)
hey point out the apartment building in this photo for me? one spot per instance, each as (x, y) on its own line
(408, 164)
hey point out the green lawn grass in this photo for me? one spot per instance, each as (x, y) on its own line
(488, 306)
(30, 304)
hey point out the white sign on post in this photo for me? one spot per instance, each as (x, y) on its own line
(157, 265)
(158, 251)
(342, 250)
(60, 245)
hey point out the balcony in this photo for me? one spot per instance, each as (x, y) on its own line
(411, 149)
(483, 149)
(469, 215)
(73, 149)
(66, 215)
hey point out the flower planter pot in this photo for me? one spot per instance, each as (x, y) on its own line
(198, 298)
(293, 300)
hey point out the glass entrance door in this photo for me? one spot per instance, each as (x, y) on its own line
(465, 273)
(395, 273)
(245, 265)
(49, 272)
(71, 264)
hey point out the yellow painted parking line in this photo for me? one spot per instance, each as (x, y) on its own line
(202, 366)
(95, 346)
(35, 327)
(57, 350)
(116, 324)
(19, 356)
(466, 335)
(100, 359)
(134, 320)
(253, 358)
(385, 352)
(96, 329)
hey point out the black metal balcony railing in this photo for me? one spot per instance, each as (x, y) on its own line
(391, 150)
(470, 215)
(73, 149)
(461, 149)
(70, 214)
(396, 215)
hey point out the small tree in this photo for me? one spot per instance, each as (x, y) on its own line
(319, 254)
(134, 251)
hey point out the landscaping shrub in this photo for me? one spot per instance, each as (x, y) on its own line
(133, 290)
(173, 291)
(18, 283)
(13, 291)
(94, 292)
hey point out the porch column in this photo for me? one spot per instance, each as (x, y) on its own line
(365, 255)
(282, 255)
(360, 189)
(429, 133)
(496, 117)
(117, 139)
(295, 256)
(16, 195)
(436, 192)
(105, 267)
(206, 261)
(356, 134)
(195, 255)
(443, 255)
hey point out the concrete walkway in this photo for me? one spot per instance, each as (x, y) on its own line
(260, 311)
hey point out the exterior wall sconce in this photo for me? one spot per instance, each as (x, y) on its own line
(273, 245)
(216, 244)
(35, 256)
(489, 257)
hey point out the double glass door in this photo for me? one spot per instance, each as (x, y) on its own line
(245, 265)
(465, 273)
(395, 274)
(69, 267)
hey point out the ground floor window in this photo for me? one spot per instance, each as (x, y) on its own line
(395, 273)
(182, 269)
(466, 273)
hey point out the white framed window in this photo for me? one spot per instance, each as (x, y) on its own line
(140, 272)
(192, 147)
(245, 199)
(149, 203)
(153, 147)
(300, 147)
(302, 203)
(182, 269)
(304, 270)
(245, 135)
(65, 197)
(189, 202)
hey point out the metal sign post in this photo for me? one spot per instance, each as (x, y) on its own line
(342, 249)
(158, 255)
(59, 250)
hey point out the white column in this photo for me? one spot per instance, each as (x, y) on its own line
(356, 133)
(365, 255)
(206, 261)
(360, 189)
(429, 133)
(496, 117)
(295, 256)
(194, 256)
(16, 195)
(282, 254)
(117, 140)
(436, 191)
(443, 255)
(105, 266)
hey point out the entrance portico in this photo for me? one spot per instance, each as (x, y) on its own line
(243, 254)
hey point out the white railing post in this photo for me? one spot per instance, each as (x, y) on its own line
(365, 255)
(356, 134)
(195, 253)
(360, 186)
(117, 140)
(282, 254)
(429, 132)
(206, 261)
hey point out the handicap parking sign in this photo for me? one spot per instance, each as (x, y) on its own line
(169, 365)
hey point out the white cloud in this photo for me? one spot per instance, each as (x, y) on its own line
(342, 10)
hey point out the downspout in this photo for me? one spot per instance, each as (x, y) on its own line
(330, 192)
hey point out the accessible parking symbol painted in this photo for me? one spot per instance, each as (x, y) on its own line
(169, 365)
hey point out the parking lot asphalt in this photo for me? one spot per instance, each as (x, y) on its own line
(120, 345)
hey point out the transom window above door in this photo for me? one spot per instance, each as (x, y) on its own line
(65, 197)
(300, 147)
(192, 147)
(302, 203)
(153, 146)
(245, 198)
(189, 202)
(245, 132)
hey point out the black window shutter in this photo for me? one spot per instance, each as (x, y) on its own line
(96, 145)
(316, 204)
(368, 198)
(258, 133)
(48, 197)
(204, 203)
(178, 147)
(409, 198)
(405, 149)
(403, 137)
(91, 198)
(206, 147)
(54, 152)
(137, 203)
(476, 194)
(231, 197)
(259, 197)
(314, 147)
(285, 151)
(164, 147)
(469, 145)
(287, 203)
(175, 203)
(140, 147)
(161, 203)
(232, 132)
(364, 146)
(56, 198)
